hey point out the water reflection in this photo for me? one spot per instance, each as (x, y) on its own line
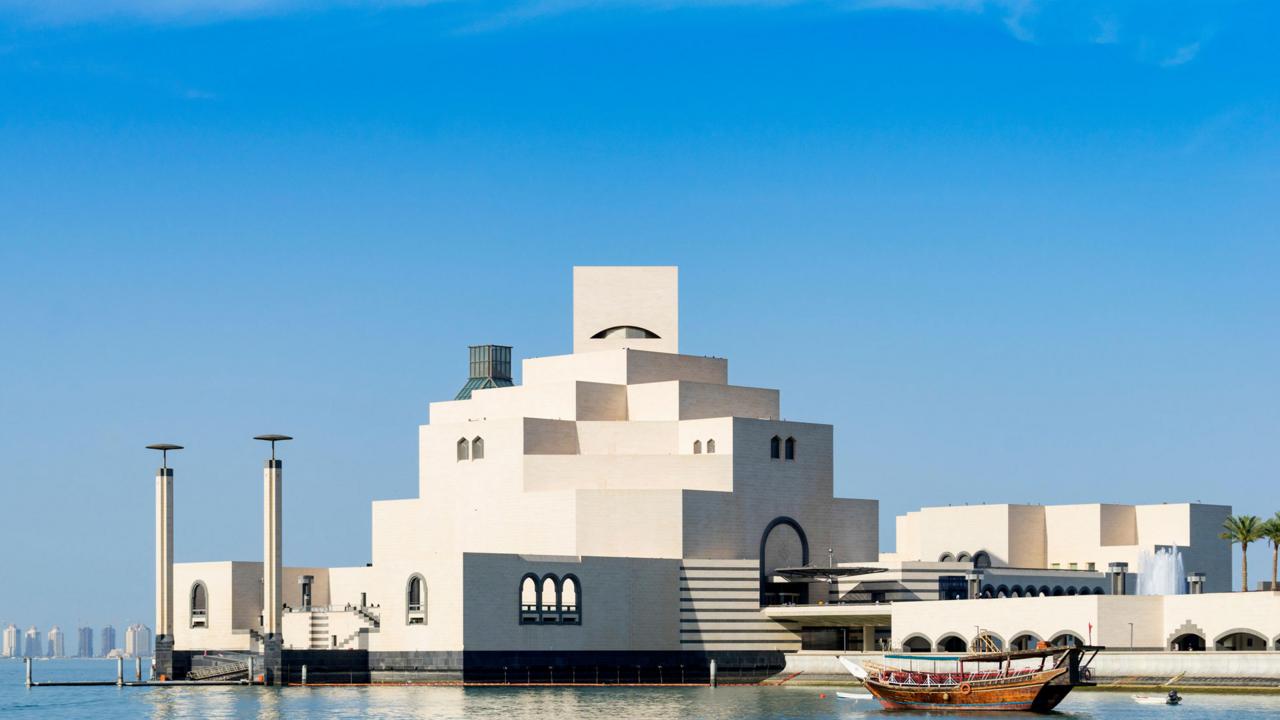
(502, 703)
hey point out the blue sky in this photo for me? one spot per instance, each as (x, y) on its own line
(1014, 251)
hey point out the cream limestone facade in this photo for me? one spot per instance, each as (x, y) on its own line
(1068, 537)
(611, 509)
(1211, 622)
(626, 511)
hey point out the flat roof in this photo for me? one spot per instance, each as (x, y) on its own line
(833, 615)
(810, 572)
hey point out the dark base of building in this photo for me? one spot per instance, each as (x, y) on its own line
(623, 667)
(620, 667)
(164, 657)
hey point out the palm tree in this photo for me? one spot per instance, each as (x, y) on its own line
(1243, 529)
(1271, 531)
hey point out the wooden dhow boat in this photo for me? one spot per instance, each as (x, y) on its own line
(987, 680)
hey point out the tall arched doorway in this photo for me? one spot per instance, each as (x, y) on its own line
(783, 544)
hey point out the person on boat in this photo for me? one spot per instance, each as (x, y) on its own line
(1174, 698)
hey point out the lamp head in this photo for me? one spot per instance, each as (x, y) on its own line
(273, 439)
(164, 449)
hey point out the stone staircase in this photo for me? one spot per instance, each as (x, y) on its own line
(220, 668)
(320, 637)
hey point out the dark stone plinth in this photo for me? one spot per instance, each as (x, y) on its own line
(273, 660)
(164, 657)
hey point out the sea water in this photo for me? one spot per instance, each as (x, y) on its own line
(515, 703)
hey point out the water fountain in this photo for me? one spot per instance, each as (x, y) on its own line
(1161, 572)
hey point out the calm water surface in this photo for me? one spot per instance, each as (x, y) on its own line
(745, 703)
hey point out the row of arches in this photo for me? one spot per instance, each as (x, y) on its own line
(711, 447)
(1017, 591)
(470, 449)
(954, 642)
(780, 449)
(980, 559)
(1234, 640)
(550, 600)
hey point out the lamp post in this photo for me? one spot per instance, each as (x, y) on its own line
(272, 640)
(164, 562)
(1130, 636)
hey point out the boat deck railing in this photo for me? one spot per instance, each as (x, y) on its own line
(926, 680)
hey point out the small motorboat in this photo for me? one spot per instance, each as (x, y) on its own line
(1173, 698)
(853, 696)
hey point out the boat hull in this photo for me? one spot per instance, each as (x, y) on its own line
(1039, 693)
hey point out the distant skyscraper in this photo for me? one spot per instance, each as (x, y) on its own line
(12, 642)
(108, 641)
(86, 642)
(57, 643)
(137, 641)
(31, 642)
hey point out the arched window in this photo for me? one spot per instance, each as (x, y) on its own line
(917, 643)
(1015, 591)
(1058, 591)
(1083, 591)
(964, 557)
(783, 544)
(1097, 590)
(697, 447)
(529, 610)
(549, 599)
(775, 447)
(982, 559)
(463, 454)
(1188, 642)
(199, 605)
(1066, 639)
(952, 643)
(986, 641)
(629, 332)
(570, 601)
(1071, 591)
(1024, 641)
(477, 449)
(1044, 591)
(988, 591)
(791, 449)
(946, 557)
(711, 447)
(1240, 640)
(416, 601)
(1002, 591)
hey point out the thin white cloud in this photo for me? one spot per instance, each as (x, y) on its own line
(1011, 13)
(169, 11)
(1031, 21)
(1108, 31)
(1182, 55)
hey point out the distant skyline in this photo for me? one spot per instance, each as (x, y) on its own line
(1013, 251)
(86, 644)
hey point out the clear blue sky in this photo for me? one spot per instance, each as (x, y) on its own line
(1013, 251)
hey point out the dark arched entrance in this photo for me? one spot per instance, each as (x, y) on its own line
(782, 593)
(1187, 642)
